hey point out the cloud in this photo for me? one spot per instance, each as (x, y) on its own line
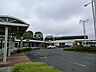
(51, 16)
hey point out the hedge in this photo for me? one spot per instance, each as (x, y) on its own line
(81, 48)
(33, 67)
(69, 48)
(19, 50)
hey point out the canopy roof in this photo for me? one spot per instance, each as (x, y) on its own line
(15, 25)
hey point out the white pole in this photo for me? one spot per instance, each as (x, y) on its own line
(2, 44)
(5, 47)
(94, 15)
(9, 52)
(84, 29)
(21, 42)
(13, 45)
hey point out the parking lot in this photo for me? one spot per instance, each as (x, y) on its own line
(67, 61)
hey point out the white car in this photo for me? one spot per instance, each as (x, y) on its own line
(50, 46)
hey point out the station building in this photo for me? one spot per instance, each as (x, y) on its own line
(58, 42)
(11, 26)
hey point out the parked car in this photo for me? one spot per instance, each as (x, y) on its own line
(67, 46)
(50, 46)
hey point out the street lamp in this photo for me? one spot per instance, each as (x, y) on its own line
(87, 4)
(93, 2)
(84, 28)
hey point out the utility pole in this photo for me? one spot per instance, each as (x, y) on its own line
(93, 2)
(94, 15)
(84, 28)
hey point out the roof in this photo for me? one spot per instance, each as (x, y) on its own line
(61, 41)
(14, 25)
(86, 40)
(70, 37)
(30, 41)
(11, 19)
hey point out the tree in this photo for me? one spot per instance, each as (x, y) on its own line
(2, 36)
(38, 36)
(49, 38)
(18, 36)
(28, 35)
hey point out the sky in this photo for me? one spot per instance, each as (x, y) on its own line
(52, 17)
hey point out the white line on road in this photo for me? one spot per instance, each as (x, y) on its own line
(91, 58)
(43, 57)
(78, 64)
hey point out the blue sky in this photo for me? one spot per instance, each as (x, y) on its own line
(56, 17)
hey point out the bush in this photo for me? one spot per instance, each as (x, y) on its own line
(19, 50)
(69, 48)
(92, 46)
(92, 49)
(81, 48)
(33, 67)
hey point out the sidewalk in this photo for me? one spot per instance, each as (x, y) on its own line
(14, 59)
(5, 69)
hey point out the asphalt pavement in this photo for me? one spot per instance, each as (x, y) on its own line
(67, 61)
(5, 69)
(1, 51)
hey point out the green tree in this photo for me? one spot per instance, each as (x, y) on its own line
(1, 36)
(18, 36)
(49, 37)
(28, 35)
(38, 36)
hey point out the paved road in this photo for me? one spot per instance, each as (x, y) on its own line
(5, 69)
(66, 61)
(1, 51)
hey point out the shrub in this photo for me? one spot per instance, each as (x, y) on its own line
(24, 49)
(33, 67)
(92, 49)
(92, 46)
(81, 48)
(69, 48)
(19, 50)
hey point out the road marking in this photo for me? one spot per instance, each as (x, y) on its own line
(78, 64)
(9, 69)
(91, 58)
(43, 57)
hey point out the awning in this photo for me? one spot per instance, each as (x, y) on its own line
(15, 25)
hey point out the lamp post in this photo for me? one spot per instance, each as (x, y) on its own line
(93, 2)
(84, 28)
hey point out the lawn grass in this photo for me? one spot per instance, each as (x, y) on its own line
(34, 67)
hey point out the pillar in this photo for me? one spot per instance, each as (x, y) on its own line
(9, 52)
(21, 42)
(12, 44)
(5, 46)
(2, 44)
(34, 44)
